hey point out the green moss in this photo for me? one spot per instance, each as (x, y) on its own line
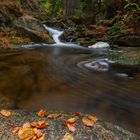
(114, 30)
(132, 6)
(131, 57)
(15, 41)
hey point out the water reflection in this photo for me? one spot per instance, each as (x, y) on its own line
(50, 78)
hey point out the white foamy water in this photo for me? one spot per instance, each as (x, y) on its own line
(98, 65)
(54, 33)
(56, 37)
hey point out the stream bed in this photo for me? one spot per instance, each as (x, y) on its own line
(68, 77)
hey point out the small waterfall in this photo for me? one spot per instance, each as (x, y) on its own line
(54, 33)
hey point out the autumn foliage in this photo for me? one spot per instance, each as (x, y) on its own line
(9, 39)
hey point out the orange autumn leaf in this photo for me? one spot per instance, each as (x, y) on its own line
(5, 113)
(76, 113)
(15, 130)
(92, 118)
(87, 122)
(64, 123)
(39, 134)
(39, 124)
(53, 116)
(34, 138)
(71, 127)
(71, 120)
(42, 113)
(70, 123)
(42, 138)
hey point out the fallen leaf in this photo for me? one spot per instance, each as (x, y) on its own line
(5, 113)
(15, 130)
(42, 113)
(39, 134)
(26, 133)
(39, 124)
(87, 122)
(42, 138)
(71, 127)
(64, 115)
(92, 118)
(64, 123)
(68, 136)
(76, 113)
(34, 138)
(71, 120)
(53, 116)
(35, 130)
(27, 125)
(70, 123)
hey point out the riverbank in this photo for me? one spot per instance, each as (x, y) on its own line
(24, 26)
(56, 130)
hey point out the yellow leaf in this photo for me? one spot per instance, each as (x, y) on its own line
(68, 136)
(35, 130)
(26, 133)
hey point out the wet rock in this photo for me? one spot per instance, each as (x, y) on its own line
(101, 130)
(30, 27)
(100, 45)
(130, 40)
(6, 102)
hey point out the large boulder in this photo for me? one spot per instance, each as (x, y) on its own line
(29, 26)
(23, 20)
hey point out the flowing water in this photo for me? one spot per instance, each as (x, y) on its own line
(70, 79)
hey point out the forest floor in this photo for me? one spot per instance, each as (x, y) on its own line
(24, 26)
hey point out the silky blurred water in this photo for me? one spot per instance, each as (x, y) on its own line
(51, 78)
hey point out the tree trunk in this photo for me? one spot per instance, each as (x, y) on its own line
(69, 7)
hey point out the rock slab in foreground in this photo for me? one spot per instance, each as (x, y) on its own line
(56, 130)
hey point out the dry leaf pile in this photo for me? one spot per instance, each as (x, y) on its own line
(31, 131)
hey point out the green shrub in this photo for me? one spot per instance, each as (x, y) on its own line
(114, 30)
